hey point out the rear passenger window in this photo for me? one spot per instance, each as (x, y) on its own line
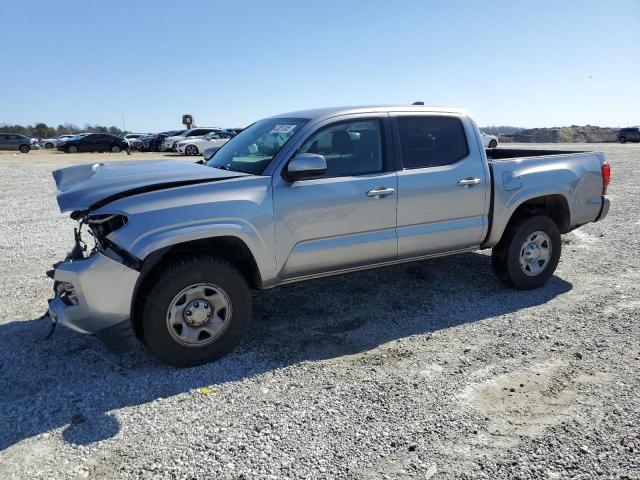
(350, 148)
(431, 141)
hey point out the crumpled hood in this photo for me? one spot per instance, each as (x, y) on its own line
(81, 186)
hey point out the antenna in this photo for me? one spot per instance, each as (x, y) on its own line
(417, 103)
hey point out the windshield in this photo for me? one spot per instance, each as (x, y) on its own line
(252, 149)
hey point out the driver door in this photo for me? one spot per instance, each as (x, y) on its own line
(337, 221)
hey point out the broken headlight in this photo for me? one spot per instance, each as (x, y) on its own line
(67, 292)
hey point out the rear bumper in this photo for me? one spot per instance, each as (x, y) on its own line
(97, 299)
(604, 209)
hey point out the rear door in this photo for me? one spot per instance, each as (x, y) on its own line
(442, 184)
(337, 221)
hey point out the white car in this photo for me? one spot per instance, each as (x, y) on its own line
(196, 146)
(50, 143)
(490, 141)
(169, 143)
(129, 137)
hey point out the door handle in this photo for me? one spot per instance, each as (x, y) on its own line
(468, 182)
(380, 192)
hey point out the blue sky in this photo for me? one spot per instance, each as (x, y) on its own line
(524, 63)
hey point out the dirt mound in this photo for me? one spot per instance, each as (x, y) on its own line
(572, 134)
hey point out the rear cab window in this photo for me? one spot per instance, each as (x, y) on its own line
(430, 140)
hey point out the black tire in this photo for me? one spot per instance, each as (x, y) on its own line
(506, 255)
(49, 145)
(115, 149)
(72, 149)
(24, 148)
(622, 139)
(493, 144)
(167, 285)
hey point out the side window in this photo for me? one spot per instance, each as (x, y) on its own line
(431, 141)
(350, 148)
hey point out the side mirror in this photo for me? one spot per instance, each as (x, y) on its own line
(305, 166)
(209, 152)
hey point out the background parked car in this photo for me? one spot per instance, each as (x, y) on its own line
(489, 141)
(629, 135)
(93, 142)
(130, 137)
(153, 142)
(15, 141)
(50, 143)
(169, 143)
(195, 146)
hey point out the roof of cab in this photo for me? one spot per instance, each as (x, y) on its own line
(334, 111)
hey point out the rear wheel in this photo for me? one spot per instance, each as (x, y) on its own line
(196, 312)
(493, 144)
(49, 145)
(24, 148)
(623, 139)
(528, 252)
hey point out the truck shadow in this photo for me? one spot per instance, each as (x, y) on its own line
(72, 382)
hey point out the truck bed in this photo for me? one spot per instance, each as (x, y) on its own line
(497, 154)
(571, 177)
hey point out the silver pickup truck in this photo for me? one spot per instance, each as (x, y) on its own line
(171, 250)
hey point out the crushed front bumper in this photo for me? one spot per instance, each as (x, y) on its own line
(94, 297)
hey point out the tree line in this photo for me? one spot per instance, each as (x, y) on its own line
(42, 130)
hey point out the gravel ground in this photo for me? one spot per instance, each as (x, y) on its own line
(382, 374)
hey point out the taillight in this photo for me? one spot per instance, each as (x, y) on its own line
(606, 176)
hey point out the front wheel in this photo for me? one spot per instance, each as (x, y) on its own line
(191, 150)
(623, 139)
(197, 311)
(528, 253)
(24, 148)
(49, 145)
(115, 149)
(493, 144)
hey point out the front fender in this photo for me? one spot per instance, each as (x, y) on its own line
(156, 220)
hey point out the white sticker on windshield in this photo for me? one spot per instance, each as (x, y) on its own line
(283, 129)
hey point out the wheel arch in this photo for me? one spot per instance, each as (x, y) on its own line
(553, 205)
(232, 249)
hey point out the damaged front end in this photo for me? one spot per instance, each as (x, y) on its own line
(93, 286)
